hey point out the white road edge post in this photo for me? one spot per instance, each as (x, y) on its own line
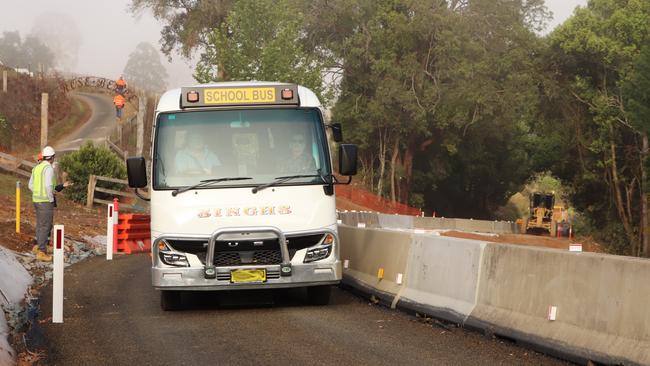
(57, 275)
(109, 232)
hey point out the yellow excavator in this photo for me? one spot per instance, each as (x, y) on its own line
(543, 214)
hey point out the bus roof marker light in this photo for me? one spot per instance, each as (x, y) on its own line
(287, 94)
(192, 96)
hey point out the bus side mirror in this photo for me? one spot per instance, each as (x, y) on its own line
(137, 172)
(348, 159)
(337, 132)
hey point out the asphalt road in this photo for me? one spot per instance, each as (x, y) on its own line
(97, 127)
(112, 317)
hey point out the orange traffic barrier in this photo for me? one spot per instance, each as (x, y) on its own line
(133, 234)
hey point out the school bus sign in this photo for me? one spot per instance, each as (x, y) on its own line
(239, 95)
(207, 96)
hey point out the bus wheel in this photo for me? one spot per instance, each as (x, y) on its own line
(170, 300)
(319, 295)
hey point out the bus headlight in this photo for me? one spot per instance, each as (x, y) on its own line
(318, 253)
(174, 259)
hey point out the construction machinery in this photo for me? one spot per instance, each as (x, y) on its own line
(543, 215)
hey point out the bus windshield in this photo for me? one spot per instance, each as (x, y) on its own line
(260, 144)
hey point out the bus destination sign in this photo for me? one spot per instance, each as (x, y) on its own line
(209, 96)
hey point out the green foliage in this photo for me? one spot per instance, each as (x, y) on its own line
(187, 24)
(636, 90)
(88, 160)
(144, 69)
(597, 66)
(454, 103)
(261, 40)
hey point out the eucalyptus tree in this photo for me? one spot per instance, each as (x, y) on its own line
(593, 57)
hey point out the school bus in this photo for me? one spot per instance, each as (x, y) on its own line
(242, 190)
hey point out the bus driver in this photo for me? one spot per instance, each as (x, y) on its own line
(195, 158)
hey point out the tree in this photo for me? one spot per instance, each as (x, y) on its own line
(30, 53)
(39, 55)
(592, 56)
(10, 49)
(144, 69)
(636, 94)
(187, 23)
(261, 40)
(438, 95)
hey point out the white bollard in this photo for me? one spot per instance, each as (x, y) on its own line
(57, 275)
(109, 233)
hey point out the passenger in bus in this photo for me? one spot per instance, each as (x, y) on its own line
(195, 157)
(300, 160)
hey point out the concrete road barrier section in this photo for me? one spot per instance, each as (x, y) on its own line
(395, 221)
(442, 277)
(386, 221)
(368, 219)
(579, 306)
(602, 302)
(373, 253)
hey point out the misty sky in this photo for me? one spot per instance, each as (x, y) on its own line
(110, 32)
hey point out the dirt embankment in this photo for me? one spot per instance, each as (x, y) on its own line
(78, 220)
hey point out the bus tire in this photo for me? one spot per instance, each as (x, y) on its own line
(170, 300)
(319, 295)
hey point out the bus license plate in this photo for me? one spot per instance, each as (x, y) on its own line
(247, 275)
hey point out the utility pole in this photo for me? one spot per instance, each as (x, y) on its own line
(142, 107)
(44, 99)
(4, 81)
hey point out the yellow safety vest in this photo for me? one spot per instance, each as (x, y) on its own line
(39, 194)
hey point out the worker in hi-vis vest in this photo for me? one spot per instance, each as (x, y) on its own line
(119, 102)
(42, 183)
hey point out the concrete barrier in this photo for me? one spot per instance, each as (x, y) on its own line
(395, 221)
(377, 220)
(369, 250)
(602, 302)
(369, 219)
(442, 277)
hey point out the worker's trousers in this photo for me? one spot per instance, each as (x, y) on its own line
(44, 220)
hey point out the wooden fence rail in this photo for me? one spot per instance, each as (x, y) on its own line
(92, 188)
(13, 164)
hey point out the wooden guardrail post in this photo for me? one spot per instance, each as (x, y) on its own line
(142, 106)
(44, 108)
(92, 182)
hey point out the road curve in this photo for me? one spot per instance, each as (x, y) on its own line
(96, 128)
(112, 317)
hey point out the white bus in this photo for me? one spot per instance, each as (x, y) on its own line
(242, 190)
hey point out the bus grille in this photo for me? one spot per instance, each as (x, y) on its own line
(259, 257)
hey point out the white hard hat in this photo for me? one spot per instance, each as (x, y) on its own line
(48, 151)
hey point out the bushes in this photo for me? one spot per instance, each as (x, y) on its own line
(90, 159)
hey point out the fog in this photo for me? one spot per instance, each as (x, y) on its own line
(109, 32)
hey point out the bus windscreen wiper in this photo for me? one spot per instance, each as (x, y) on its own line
(279, 180)
(206, 182)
